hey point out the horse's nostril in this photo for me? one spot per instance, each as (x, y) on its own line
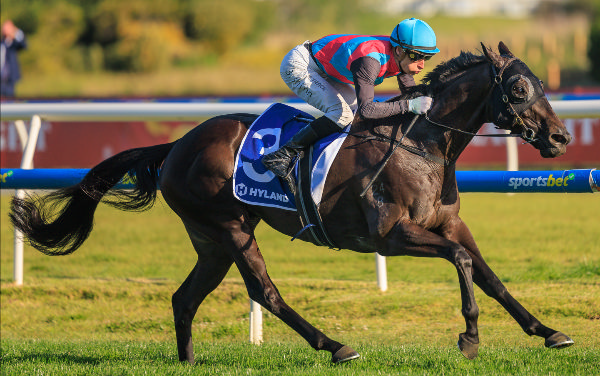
(561, 139)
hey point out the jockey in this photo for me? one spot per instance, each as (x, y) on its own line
(322, 74)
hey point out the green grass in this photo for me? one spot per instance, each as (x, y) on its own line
(133, 358)
(106, 309)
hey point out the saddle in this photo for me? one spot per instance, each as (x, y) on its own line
(254, 184)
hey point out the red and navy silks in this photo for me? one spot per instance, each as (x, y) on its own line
(335, 53)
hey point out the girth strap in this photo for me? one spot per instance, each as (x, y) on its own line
(307, 210)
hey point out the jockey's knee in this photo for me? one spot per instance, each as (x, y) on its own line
(340, 114)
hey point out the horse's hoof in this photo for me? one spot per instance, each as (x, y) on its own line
(466, 347)
(345, 354)
(558, 340)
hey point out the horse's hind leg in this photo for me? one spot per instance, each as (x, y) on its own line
(212, 266)
(261, 289)
(487, 280)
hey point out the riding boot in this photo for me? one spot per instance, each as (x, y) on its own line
(282, 161)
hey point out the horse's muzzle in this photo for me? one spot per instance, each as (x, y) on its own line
(553, 146)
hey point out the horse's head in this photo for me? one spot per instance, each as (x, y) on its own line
(520, 105)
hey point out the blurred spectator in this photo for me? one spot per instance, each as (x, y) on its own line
(13, 40)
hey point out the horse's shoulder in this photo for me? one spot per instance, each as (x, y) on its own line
(244, 118)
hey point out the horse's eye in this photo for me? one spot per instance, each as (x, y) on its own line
(519, 91)
(520, 88)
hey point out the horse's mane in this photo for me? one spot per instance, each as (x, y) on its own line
(437, 79)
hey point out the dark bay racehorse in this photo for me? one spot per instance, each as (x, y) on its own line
(411, 208)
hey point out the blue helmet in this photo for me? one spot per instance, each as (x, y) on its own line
(416, 35)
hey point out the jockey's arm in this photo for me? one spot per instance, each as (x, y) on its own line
(365, 71)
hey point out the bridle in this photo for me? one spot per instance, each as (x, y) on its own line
(523, 102)
(515, 103)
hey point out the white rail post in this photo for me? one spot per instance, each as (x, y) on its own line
(256, 332)
(512, 154)
(27, 164)
(380, 267)
(22, 132)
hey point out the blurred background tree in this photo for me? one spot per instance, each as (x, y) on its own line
(211, 47)
(594, 51)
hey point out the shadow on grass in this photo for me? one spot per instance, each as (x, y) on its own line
(78, 357)
(36, 357)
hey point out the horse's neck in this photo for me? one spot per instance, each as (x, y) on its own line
(467, 114)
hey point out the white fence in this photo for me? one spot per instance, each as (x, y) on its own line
(191, 111)
(141, 111)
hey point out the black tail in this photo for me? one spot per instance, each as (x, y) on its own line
(58, 223)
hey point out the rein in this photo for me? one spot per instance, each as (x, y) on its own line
(387, 158)
(426, 117)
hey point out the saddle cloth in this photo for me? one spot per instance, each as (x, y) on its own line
(254, 184)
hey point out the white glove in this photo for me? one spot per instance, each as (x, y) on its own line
(419, 105)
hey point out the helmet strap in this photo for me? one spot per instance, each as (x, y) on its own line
(399, 56)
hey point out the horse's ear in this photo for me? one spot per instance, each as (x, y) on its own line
(504, 50)
(491, 55)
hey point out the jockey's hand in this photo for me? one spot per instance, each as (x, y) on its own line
(419, 105)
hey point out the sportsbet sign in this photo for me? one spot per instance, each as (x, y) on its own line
(571, 181)
(540, 181)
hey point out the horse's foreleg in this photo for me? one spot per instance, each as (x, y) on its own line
(203, 279)
(412, 240)
(261, 289)
(487, 280)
